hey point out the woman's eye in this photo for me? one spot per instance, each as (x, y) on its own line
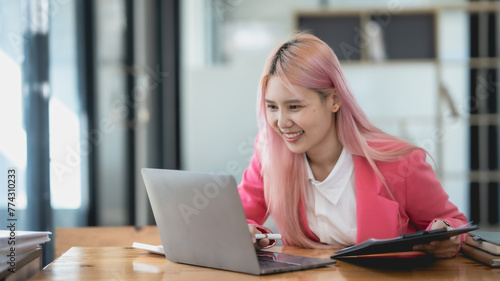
(271, 106)
(295, 107)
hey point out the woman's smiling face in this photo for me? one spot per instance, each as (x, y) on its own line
(302, 119)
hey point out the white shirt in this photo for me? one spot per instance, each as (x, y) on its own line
(331, 204)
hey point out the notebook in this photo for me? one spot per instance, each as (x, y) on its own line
(201, 222)
(488, 241)
(480, 255)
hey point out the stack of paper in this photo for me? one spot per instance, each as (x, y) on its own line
(483, 246)
(16, 246)
(150, 248)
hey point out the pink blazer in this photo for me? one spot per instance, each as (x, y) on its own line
(419, 198)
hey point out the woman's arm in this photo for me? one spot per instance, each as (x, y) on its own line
(426, 199)
(251, 190)
(428, 206)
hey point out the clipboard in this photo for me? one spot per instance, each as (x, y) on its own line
(403, 243)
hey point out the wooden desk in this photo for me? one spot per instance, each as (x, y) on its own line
(118, 263)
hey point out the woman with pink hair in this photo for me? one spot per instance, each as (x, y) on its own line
(327, 175)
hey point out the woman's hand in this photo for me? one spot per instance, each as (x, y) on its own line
(440, 249)
(258, 243)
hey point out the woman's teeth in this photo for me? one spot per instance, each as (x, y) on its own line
(294, 135)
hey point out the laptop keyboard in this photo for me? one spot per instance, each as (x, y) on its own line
(270, 262)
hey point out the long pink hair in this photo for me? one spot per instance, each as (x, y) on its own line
(308, 62)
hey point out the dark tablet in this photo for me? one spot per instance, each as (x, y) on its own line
(402, 243)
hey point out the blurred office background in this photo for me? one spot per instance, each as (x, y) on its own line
(94, 90)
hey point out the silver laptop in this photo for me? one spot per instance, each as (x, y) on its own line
(201, 222)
